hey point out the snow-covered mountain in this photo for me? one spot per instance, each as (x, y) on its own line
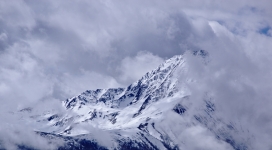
(154, 112)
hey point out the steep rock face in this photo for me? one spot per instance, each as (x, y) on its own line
(151, 113)
(104, 105)
(156, 84)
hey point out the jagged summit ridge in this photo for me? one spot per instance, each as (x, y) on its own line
(141, 114)
(114, 97)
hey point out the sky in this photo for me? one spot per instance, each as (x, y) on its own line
(52, 50)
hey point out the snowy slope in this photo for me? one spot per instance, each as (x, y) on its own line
(151, 113)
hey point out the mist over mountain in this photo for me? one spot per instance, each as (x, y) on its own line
(135, 74)
(167, 108)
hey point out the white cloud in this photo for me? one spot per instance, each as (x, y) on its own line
(197, 137)
(55, 49)
(86, 80)
(134, 68)
(238, 78)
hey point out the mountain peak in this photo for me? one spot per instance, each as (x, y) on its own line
(114, 97)
(143, 112)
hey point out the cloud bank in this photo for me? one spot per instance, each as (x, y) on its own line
(52, 50)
